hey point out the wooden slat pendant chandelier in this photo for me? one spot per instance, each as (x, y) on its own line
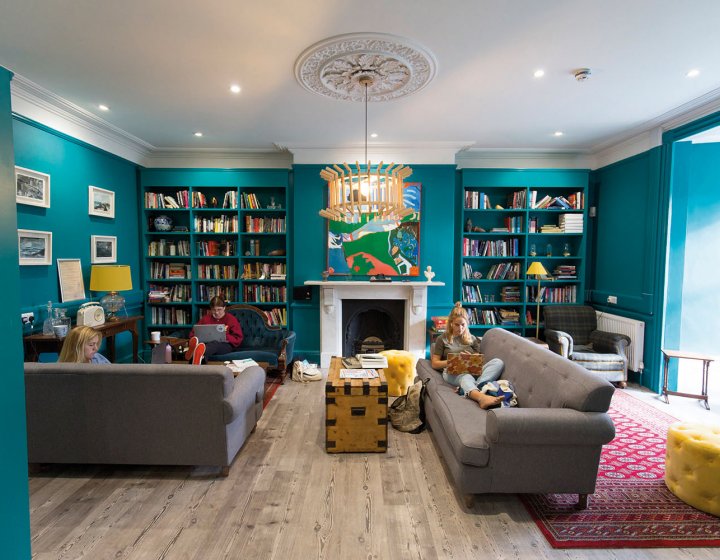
(363, 194)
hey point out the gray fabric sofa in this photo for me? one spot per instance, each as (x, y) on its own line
(140, 414)
(550, 443)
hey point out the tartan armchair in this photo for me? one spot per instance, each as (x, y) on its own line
(571, 331)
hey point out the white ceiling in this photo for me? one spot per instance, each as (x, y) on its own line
(164, 67)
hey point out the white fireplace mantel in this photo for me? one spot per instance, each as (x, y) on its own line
(332, 294)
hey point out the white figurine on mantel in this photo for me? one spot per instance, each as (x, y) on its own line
(429, 274)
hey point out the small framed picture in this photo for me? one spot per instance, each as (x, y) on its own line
(35, 247)
(101, 202)
(32, 187)
(103, 249)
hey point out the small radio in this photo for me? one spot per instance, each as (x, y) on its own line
(90, 314)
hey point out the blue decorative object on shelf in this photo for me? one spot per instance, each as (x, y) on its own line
(163, 223)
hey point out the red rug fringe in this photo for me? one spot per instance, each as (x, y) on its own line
(631, 506)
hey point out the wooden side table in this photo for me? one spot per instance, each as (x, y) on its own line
(36, 344)
(706, 360)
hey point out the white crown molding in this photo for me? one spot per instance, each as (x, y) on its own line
(491, 158)
(649, 134)
(40, 105)
(418, 153)
(226, 159)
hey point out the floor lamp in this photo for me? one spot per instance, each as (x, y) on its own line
(538, 270)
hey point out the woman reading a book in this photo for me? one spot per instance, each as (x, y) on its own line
(81, 347)
(458, 340)
(216, 315)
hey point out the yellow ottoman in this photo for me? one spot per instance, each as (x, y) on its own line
(400, 372)
(692, 465)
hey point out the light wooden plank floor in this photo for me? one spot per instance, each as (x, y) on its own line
(286, 498)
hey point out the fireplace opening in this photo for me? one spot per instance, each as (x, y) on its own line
(370, 326)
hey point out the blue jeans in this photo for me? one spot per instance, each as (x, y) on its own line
(492, 371)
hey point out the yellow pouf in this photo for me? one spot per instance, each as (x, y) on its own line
(400, 372)
(692, 465)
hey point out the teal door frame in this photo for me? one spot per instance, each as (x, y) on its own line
(668, 308)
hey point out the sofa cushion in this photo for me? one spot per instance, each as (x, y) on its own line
(463, 421)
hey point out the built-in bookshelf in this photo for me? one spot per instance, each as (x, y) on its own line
(213, 241)
(504, 228)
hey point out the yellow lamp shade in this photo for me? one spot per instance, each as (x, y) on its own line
(110, 278)
(535, 268)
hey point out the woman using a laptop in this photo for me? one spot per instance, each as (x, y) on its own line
(217, 316)
(458, 340)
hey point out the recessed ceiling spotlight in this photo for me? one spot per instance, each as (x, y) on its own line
(374, 135)
(539, 73)
(694, 73)
(558, 133)
(234, 88)
(198, 134)
(103, 107)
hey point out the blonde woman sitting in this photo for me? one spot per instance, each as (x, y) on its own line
(458, 340)
(81, 347)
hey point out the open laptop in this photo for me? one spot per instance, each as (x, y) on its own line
(210, 333)
(465, 363)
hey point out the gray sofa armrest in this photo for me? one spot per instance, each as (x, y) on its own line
(548, 426)
(248, 390)
(559, 342)
(609, 343)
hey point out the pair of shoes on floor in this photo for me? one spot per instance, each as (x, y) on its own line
(195, 352)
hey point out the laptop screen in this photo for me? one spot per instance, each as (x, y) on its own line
(210, 333)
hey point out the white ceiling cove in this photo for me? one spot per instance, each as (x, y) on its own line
(164, 67)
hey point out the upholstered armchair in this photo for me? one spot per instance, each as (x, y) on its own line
(571, 331)
(261, 342)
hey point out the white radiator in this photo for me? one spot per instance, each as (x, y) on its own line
(629, 327)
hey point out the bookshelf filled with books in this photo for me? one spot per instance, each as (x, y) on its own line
(207, 241)
(511, 218)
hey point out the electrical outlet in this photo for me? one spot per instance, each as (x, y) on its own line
(612, 299)
(27, 318)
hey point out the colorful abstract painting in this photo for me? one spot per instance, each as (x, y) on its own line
(371, 247)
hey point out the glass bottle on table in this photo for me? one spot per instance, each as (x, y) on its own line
(49, 322)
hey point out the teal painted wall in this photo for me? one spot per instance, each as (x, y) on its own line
(14, 505)
(628, 245)
(697, 164)
(73, 166)
(309, 239)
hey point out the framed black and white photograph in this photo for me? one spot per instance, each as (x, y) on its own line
(103, 249)
(32, 187)
(35, 247)
(101, 202)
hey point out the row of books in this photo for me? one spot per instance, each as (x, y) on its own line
(504, 271)
(574, 201)
(208, 291)
(199, 200)
(264, 293)
(475, 200)
(169, 271)
(177, 293)
(217, 271)
(249, 200)
(495, 316)
(217, 248)
(165, 248)
(264, 225)
(161, 200)
(565, 272)
(216, 224)
(558, 294)
(277, 316)
(264, 271)
(491, 247)
(170, 316)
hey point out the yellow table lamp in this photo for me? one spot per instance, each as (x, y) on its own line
(112, 278)
(537, 269)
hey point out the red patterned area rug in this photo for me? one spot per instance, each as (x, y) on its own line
(271, 385)
(631, 506)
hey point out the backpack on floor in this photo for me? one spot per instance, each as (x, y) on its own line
(303, 371)
(407, 412)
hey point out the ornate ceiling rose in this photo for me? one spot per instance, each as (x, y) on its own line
(335, 67)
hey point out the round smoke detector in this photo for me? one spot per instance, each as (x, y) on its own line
(582, 74)
(340, 66)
